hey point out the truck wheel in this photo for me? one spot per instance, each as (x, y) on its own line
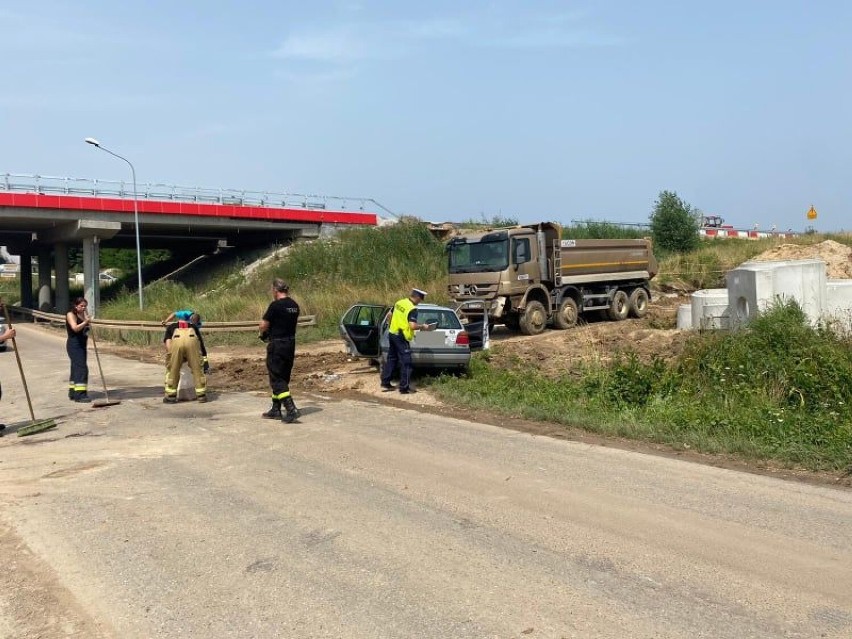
(566, 314)
(639, 303)
(534, 319)
(620, 306)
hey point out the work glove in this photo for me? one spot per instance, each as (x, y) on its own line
(264, 336)
(205, 365)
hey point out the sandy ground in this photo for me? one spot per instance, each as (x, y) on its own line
(325, 368)
(147, 520)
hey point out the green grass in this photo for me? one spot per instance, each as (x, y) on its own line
(377, 265)
(706, 266)
(779, 390)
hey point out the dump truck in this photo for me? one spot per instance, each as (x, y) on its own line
(528, 276)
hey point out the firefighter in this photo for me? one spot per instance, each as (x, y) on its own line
(77, 325)
(278, 330)
(184, 346)
(403, 323)
(9, 333)
(194, 320)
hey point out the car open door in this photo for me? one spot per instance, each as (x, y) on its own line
(360, 328)
(475, 319)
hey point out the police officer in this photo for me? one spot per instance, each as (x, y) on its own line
(278, 329)
(403, 323)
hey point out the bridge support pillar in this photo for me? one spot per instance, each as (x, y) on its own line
(45, 302)
(26, 272)
(60, 267)
(90, 232)
(91, 273)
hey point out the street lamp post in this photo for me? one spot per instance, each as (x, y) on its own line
(97, 144)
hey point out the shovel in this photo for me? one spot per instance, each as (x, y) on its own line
(35, 426)
(100, 403)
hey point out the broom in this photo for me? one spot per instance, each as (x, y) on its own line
(35, 426)
(100, 403)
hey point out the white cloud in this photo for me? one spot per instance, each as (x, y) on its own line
(435, 29)
(337, 45)
(352, 41)
(555, 38)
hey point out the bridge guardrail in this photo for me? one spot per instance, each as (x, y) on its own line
(47, 184)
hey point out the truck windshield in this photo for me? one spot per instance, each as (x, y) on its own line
(477, 257)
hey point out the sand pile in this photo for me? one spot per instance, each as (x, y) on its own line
(837, 256)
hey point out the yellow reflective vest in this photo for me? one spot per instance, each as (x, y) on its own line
(399, 320)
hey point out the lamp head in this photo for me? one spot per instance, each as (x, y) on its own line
(92, 141)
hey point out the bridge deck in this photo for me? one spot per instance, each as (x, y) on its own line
(159, 207)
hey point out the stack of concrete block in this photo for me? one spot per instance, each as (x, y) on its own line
(754, 287)
(838, 304)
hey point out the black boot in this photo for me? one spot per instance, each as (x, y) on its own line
(293, 413)
(72, 395)
(82, 397)
(274, 411)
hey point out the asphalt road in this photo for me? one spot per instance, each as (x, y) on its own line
(201, 520)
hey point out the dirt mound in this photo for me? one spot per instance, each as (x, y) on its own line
(837, 256)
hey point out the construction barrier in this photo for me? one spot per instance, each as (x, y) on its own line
(724, 233)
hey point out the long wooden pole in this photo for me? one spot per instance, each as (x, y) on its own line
(18, 359)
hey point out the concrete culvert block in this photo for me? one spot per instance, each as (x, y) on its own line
(710, 309)
(838, 305)
(684, 317)
(754, 287)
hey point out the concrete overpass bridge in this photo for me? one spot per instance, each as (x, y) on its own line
(42, 216)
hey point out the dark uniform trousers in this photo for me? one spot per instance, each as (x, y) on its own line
(399, 352)
(280, 353)
(79, 380)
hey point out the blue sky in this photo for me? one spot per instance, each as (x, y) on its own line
(447, 110)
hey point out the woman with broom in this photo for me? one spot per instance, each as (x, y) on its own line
(77, 325)
(9, 333)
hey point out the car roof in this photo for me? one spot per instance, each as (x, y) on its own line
(434, 307)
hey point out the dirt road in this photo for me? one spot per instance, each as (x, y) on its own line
(146, 520)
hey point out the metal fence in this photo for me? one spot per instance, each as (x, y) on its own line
(52, 185)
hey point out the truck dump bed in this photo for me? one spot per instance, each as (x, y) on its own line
(585, 259)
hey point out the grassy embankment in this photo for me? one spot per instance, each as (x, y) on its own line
(780, 390)
(326, 277)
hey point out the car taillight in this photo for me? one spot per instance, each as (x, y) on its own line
(462, 339)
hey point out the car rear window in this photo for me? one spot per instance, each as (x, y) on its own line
(445, 318)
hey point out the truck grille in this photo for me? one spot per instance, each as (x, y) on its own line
(473, 291)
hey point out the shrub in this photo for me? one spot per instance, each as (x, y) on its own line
(674, 224)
